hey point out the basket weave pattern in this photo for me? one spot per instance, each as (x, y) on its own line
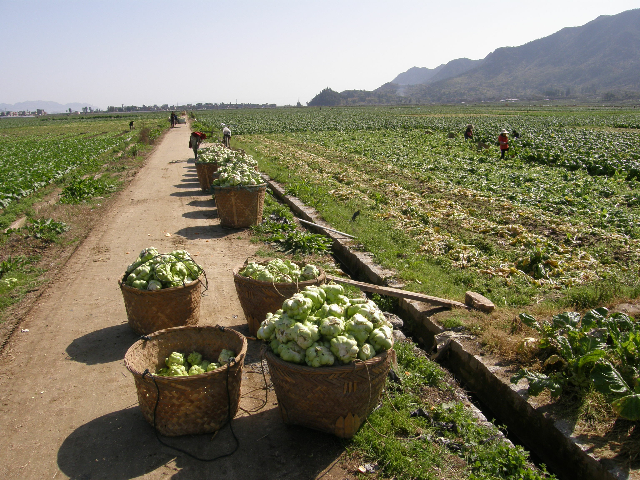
(240, 206)
(259, 298)
(335, 399)
(205, 172)
(194, 404)
(149, 311)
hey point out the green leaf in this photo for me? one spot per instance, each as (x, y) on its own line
(538, 382)
(583, 344)
(529, 321)
(606, 379)
(623, 322)
(628, 407)
(591, 357)
(564, 347)
(593, 318)
(566, 320)
(519, 375)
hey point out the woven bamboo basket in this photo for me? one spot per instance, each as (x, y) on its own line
(205, 174)
(240, 206)
(259, 298)
(194, 404)
(150, 311)
(335, 399)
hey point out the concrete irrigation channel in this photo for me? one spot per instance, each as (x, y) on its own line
(68, 405)
(550, 439)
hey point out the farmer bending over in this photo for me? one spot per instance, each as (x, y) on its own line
(195, 140)
(468, 133)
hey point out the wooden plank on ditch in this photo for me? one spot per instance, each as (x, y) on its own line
(399, 293)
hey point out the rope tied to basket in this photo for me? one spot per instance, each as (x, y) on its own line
(266, 385)
(230, 362)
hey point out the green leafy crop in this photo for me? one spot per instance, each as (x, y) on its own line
(599, 351)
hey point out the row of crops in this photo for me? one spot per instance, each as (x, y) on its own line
(561, 211)
(581, 140)
(553, 225)
(248, 122)
(36, 152)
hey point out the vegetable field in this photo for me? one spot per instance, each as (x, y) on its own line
(38, 151)
(82, 158)
(557, 219)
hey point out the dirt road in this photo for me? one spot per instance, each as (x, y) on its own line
(68, 406)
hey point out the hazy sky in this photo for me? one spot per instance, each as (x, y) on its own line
(137, 52)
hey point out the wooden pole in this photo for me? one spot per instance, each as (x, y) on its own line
(396, 292)
(326, 228)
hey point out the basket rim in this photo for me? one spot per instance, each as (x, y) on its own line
(332, 370)
(239, 187)
(144, 292)
(236, 275)
(239, 357)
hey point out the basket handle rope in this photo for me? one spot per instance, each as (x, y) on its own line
(206, 281)
(231, 361)
(266, 385)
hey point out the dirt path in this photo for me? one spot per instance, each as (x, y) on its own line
(68, 406)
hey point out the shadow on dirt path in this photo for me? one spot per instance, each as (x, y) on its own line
(68, 405)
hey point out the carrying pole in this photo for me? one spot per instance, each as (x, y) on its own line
(326, 228)
(399, 293)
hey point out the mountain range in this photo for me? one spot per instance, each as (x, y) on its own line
(47, 106)
(596, 61)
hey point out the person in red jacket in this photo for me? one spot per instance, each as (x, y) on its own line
(503, 140)
(195, 140)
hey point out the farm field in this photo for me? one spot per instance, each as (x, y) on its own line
(439, 211)
(556, 221)
(552, 228)
(38, 151)
(53, 172)
(78, 416)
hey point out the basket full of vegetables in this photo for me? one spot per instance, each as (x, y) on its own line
(206, 172)
(239, 193)
(210, 159)
(328, 358)
(262, 287)
(162, 290)
(188, 378)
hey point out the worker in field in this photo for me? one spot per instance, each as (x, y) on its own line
(226, 136)
(468, 133)
(131, 125)
(503, 140)
(195, 140)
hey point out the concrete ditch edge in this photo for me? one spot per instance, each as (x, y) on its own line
(550, 441)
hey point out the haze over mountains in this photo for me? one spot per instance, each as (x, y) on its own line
(596, 61)
(424, 76)
(47, 106)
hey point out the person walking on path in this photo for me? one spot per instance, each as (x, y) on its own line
(195, 140)
(173, 119)
(468, 133)
(226, 136)
(503, 140)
